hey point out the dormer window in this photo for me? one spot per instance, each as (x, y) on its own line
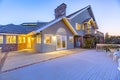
(78, 26)
(83, 26)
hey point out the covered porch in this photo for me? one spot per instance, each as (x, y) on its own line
(26, 42)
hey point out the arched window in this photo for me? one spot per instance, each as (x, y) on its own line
(61, 31)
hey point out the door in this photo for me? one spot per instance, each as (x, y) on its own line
(61, 42)
(29, 43)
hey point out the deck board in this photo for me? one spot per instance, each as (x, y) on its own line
(87, 65)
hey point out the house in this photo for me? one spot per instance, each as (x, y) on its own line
(100, 36)
(64, 32)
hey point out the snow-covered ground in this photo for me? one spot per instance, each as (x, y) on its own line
(87, 65)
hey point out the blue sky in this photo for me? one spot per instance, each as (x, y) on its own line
(107, 12)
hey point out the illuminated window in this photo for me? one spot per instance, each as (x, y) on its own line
(88, 31)
(71, 39)
(21, 39)
(10, 39)
(1, 39)
(83, 27)
(77, 26)
(88, 26)
(38, 39)
(48, 39)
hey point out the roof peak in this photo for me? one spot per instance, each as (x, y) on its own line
(89, 6)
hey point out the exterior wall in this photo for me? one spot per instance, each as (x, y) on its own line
(52, 30)
(38, 47)
(79, 19)
(8, 47)
(22, 46)
(78, 41)
(92, 31)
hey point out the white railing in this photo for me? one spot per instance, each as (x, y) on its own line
(101, 46)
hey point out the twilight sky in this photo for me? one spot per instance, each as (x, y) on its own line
(106, 12)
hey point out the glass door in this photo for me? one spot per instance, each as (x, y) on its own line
(61, 42)
(29, 43)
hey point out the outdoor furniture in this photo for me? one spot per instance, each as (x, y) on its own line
(116, 54)
(109, 51)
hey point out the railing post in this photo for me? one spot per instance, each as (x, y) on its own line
(119, 64)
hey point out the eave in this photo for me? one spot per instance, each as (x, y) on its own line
(67, 23)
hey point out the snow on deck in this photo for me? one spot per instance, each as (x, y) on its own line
(87, 65)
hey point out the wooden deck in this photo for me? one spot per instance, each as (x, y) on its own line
(87, 65)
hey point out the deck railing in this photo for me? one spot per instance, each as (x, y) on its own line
(101, 47)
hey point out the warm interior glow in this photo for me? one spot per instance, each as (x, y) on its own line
(54, 38)
(48, 39)
(38, 39)
(1, 39)
(21, 39)
(78, 26)
(29, 42)
(10, 39)
(83, 27)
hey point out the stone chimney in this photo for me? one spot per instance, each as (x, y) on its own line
(60, 11)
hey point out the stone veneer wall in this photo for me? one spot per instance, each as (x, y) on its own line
(8, 47)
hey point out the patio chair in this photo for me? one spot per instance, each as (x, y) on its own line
(116, 54)
(108, 51)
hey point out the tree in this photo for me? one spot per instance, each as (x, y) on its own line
(107, 35)
(107, 38)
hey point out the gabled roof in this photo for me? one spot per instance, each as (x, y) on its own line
(53, 22)
(49, 24)
(78, 12)
(82, 10)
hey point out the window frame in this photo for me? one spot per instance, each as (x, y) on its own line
(1, 39)
(45, 35)
(11, 39)
(38, 39)
(78, 26)
(23, 39)
(71, 37)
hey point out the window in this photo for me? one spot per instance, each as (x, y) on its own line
(48, 39)
(10, 39)
(83, 27)
(71, 39)
(1, 39)
(89, 29)
(38, 39)
(21, 39)
(77, 26)
(24, 39)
